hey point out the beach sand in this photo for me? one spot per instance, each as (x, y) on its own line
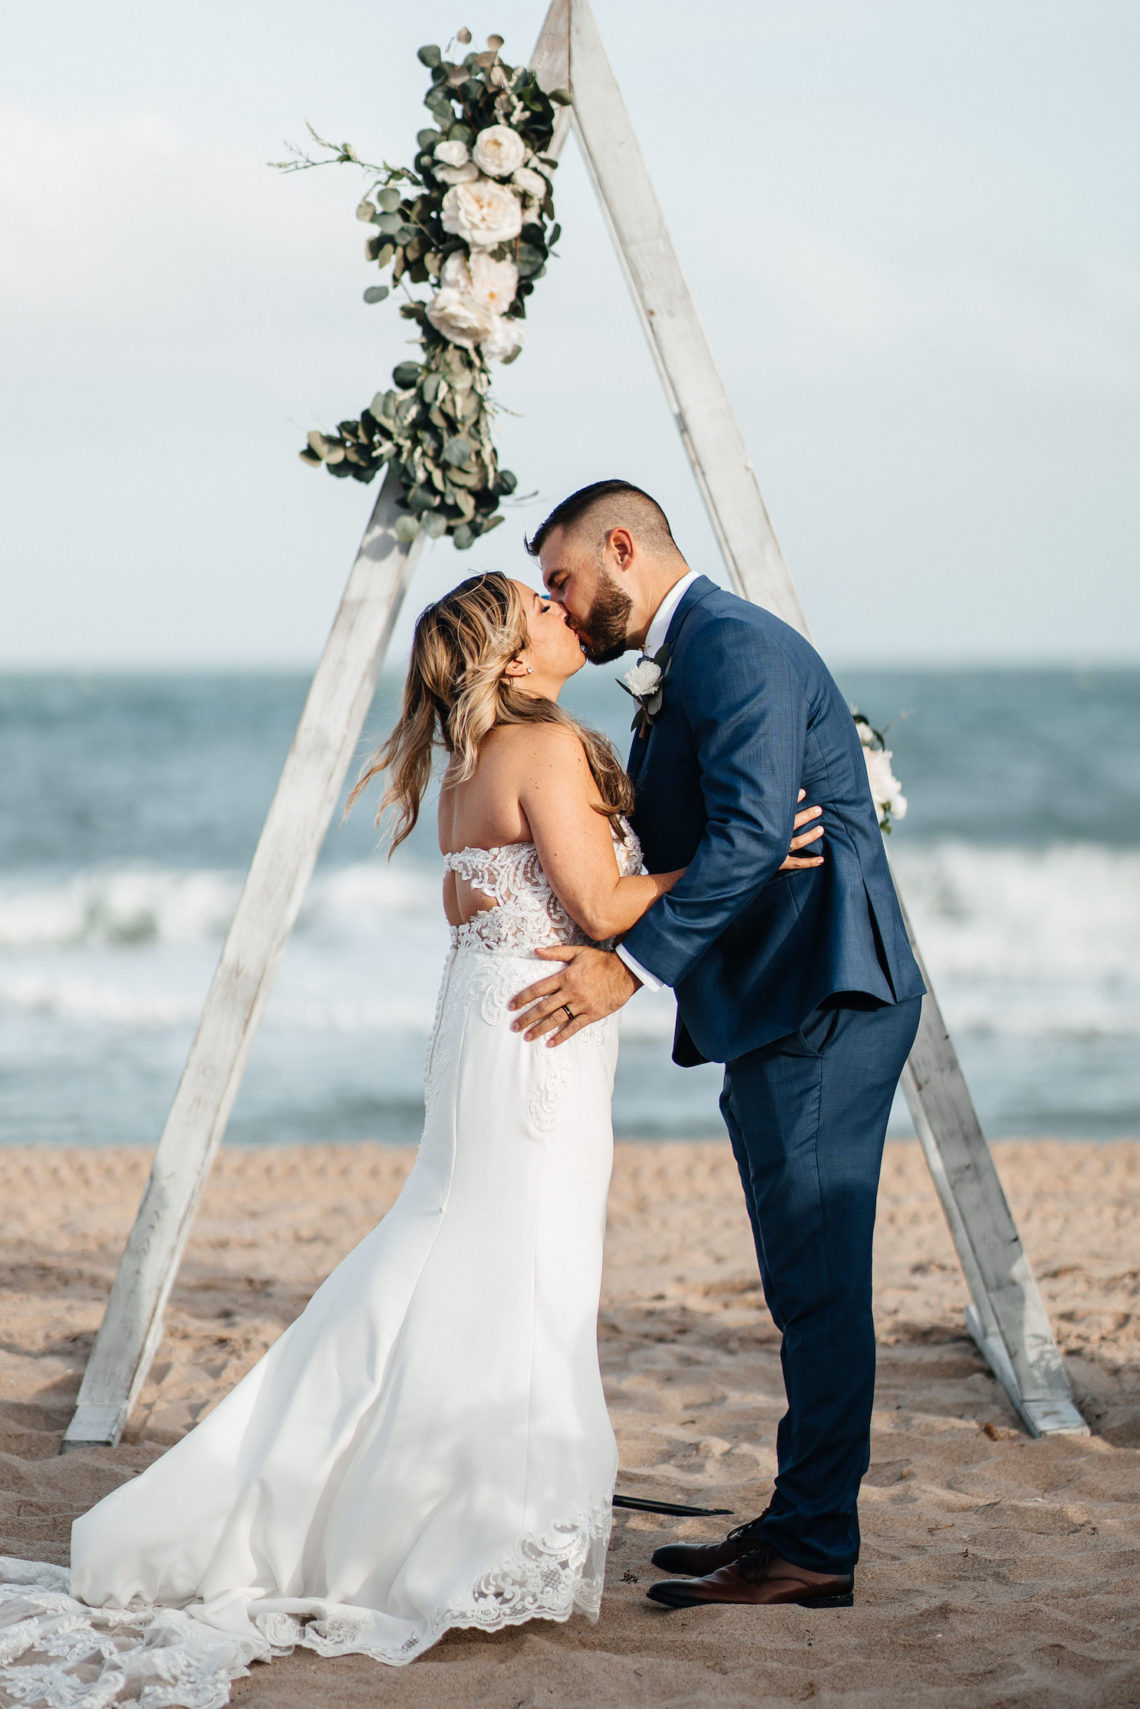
(996, 1571)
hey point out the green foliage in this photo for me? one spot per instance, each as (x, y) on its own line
(433, 425)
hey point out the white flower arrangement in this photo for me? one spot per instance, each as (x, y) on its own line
(474, 220)
(886, 790)
(645, 681)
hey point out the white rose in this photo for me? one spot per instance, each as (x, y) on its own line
(866, 734)
(531, 183)
(450, 153)
(498, 151)
(642, 678)
(465, 174)
(505, 340)
(482, 214)
(492, 283)
(459, 317)
(885, 786)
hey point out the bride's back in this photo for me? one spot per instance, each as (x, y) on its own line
(484, 811)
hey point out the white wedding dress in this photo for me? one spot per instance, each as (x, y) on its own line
(427, 1446)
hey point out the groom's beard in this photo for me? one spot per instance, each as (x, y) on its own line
(603, 634)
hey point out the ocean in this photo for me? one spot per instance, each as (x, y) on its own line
(131, 804)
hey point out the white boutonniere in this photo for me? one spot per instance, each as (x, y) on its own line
(645, 681)
(886, 790)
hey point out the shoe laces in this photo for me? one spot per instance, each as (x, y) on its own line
(748, 1528)
(757, 1564)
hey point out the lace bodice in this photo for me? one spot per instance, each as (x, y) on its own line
(526, 914)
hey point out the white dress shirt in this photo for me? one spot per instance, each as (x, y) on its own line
(655, 639)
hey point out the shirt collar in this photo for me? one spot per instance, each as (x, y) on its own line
(663, 616)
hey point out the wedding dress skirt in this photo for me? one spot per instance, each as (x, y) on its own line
(427, 1446)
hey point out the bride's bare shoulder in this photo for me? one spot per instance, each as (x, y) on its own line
(524, 746)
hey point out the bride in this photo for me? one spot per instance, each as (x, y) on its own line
(427, 1446)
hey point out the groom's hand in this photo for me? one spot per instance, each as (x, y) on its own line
(590, 984)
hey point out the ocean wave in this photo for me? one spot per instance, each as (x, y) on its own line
(148, 906)
(124, 906)
(1030, 943)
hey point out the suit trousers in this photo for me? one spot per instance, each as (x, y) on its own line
(807, 1116)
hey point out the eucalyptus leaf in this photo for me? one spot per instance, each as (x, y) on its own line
(389, 223)
(318, 443)
(365, 211)
(463, 35)
(493, 522)
(430, 387)
(376, 293)
(388, 198)
(308, 455)
(457, 452)
(463, 537)
(427, 140)
(434, 524)
(528, 259)
(429, 55)
(406, 234)
(406, 529)
(387, 250)
(494, 43)
(334, 454)
(406, 374)
(562, 97)
(459, 132)
(506, 481)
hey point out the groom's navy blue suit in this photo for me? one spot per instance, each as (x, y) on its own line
(804, 985)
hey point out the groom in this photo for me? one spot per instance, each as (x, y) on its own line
(801, 983)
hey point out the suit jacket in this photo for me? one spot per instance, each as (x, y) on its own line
(750, 715)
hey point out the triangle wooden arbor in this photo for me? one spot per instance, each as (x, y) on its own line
(1007, 1318)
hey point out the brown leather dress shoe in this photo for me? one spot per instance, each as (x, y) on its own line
(701, 1558)
(762, 1579)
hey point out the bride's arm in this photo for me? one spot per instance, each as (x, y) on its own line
(559, 797)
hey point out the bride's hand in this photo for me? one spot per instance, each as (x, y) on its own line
(794, 862)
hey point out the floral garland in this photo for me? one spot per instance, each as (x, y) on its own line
(475, 220)
(886, 790)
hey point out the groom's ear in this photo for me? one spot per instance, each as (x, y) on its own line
(621, 544)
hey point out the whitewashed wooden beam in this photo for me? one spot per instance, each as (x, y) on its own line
(323, 746)
(1008, 1320)
(693, 386)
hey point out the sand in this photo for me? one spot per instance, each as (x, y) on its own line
(996, 1570)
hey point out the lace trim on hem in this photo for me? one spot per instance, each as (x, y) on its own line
(165, 1658)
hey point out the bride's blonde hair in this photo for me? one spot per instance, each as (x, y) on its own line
(457, 691)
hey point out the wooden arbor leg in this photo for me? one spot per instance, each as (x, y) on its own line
(286, 853)
(1007, 1320)
(287, 850)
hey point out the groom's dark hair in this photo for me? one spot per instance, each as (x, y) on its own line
(615, 496)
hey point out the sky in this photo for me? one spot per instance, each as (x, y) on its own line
(910, 228)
